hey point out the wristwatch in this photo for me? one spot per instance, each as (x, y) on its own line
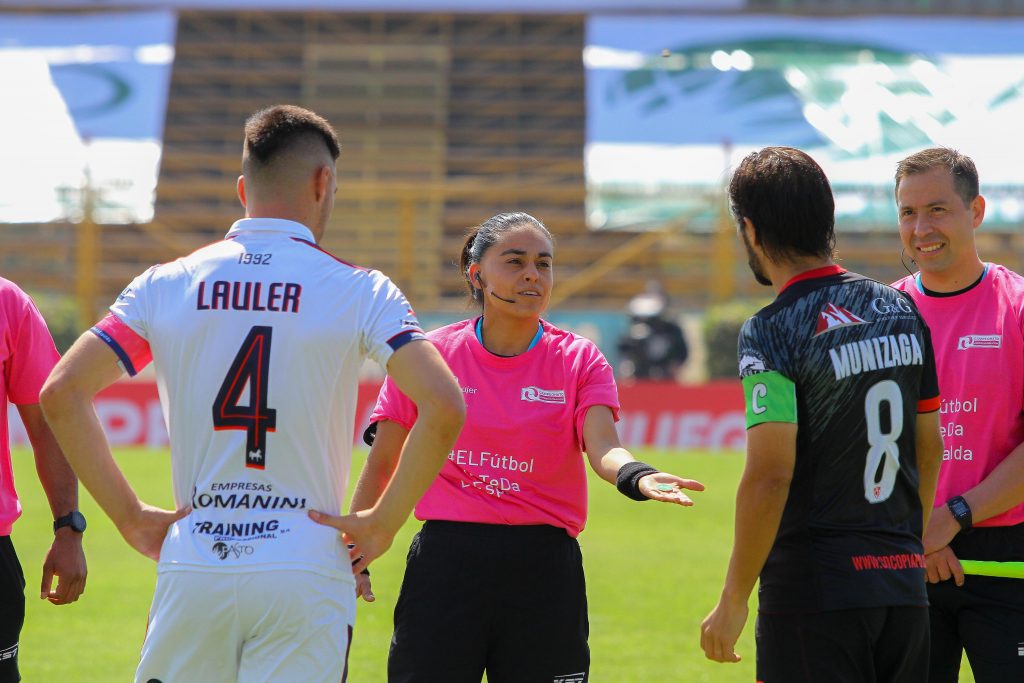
(961, 512)
(74, 519)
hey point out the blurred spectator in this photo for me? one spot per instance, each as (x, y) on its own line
(654, 346)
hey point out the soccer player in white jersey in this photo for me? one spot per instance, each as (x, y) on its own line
(257, 341)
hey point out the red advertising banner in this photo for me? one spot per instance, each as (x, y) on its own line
(657, 414)
(684, 417)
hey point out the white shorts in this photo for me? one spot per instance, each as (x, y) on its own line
(279, 626)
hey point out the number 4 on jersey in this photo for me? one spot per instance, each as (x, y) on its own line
(250, 371)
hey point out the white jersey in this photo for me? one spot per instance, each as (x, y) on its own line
(257, 342)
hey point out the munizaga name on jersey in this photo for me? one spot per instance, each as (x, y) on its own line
(877, 353)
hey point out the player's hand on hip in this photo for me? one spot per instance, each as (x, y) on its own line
(720, 631)
(943, 565)
(66, 563)
(147, 529)
(668, 488)
(359, 528)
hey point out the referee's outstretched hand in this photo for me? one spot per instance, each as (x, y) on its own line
(667, 488)
(369, 540)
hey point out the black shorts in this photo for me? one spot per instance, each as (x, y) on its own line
(869, 645)
(12, 610)
(510, 600)
(985, 616)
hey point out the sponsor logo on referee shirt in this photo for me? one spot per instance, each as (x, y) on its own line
(979, 341)
(9, 652)
(538, 395)
(833, 317)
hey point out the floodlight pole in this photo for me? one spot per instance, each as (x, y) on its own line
(86, 250)
(723, 279)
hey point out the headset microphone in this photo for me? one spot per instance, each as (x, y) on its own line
(490, 290)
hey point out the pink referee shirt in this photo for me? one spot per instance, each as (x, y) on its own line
(979, 353)
(518, 459)
(28, 356)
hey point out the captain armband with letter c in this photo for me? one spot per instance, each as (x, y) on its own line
(769, 397)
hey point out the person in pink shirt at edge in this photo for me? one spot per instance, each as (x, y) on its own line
(976, 314)
(28, 355)
(494, 579)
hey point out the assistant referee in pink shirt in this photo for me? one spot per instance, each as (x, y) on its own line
(976, 314)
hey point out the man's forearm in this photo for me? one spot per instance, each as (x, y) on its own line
(55, 474)
(57, 479)
(759, 505)
(425, 451)
(371, 484)
(81, 437)
(1001, 490)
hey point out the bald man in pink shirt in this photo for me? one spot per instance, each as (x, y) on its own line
(976, 314)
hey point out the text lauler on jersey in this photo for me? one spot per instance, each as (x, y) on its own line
(222, 295)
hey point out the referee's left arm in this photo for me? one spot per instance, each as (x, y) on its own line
(607, 457)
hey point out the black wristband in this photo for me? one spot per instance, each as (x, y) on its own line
(961, 512)
(627, 481)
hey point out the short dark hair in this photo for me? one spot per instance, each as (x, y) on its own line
(960, 166)
(271, 130)
(484, 236)
(788, 198)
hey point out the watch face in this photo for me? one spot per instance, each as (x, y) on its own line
(78, 521)
(75, 520)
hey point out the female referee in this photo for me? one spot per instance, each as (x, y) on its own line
(494, 580)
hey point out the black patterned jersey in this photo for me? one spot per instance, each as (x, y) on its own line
(850, 361)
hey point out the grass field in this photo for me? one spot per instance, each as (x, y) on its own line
(653, 573)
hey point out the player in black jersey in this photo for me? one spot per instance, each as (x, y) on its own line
(843, 450)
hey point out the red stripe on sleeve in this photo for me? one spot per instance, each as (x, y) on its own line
(127, 343)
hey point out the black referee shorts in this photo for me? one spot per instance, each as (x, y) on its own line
(985, 616)
(869, 645)
(510, 600)
(12, 610)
